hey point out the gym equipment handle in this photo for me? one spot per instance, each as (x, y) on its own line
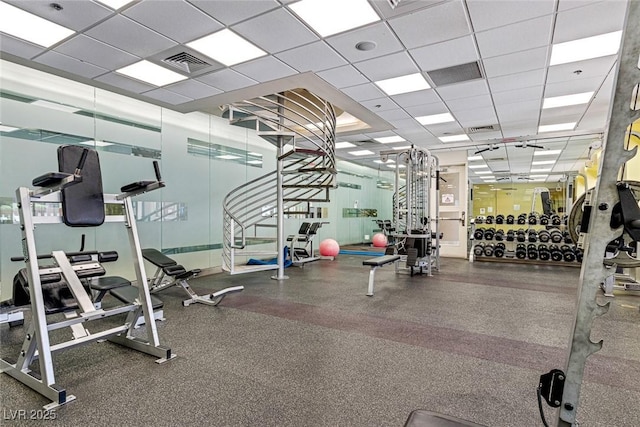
(156, 168)
(83, 158)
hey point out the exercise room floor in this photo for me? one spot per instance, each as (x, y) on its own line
(313, 350)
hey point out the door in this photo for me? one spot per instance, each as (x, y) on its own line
(453, 211)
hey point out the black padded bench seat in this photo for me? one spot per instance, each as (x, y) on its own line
(128, 294)
(157, 258)
(422, 418)
(376, 262)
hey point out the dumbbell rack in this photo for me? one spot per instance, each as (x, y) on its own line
(511, 250)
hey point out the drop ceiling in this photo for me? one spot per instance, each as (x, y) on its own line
(508, 42)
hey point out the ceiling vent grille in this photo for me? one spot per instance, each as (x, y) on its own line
(186, 62)
(456, 74)
(479, 129)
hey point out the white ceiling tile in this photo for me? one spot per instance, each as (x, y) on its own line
(603, 17)
(395, 114)
(443, 129)
(525, 94)
(19, 47)
(379, 33)
(385, 10)
(275, 31)
(363, 92)
(562, 114)
(130, 36)
(432, 25)
(385, 67)
(96, 52)
(421, 97)
(231, 12)
(469, 103)
(71, 65)
(597, 67)
(415, 133)
(517, 81)
(518, 111)
(122, 82)
(573, 86)
(519, 62)
(476, 117)
(167, 96)
(486, 14)
(516, 37)
(76, 15)
(463, 90)
(226, 80)
(446, 54)
(379, 104)
(485, 136)
(265, 69)
(410, 126)
(175, 19)
(316, 56)
(427, 109)
(514, 132)
(344, 76)
(193, 89)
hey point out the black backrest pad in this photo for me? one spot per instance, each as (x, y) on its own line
(83, 203)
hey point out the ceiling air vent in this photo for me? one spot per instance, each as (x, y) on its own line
(186, 62)
(479, 129)
(456, 74)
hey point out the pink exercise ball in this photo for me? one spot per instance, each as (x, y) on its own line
(329, 247)
(379, 240)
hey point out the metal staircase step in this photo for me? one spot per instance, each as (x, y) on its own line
(277, 137)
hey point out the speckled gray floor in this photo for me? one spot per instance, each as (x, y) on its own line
(313, 350)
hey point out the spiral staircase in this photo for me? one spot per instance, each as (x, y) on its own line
(302, 127)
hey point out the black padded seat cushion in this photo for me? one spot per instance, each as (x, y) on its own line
(128, 294)
(82, 203)
(109, 282)
(381, 260)
(422, 418)
(56, 294)
(157, 258)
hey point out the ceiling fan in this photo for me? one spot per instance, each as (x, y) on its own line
(491, 147)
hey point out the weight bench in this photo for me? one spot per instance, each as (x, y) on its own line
(376, 262)
(422, 418)
(129, 295)
(170, 273)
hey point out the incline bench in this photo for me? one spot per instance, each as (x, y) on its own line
(376, 262)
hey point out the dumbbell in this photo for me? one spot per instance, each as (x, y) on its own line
(532, 251)
(521, 251)
(489, 219)
(478, 234)
(579, 254)
(522, 219)
(488, 249)
(500, 219)
(521, 235)
(478, 249)
(499, 236)
(489, 233)
(511, 236)
(544, 219)
(556, 220)
(544, 236)
(479, 220)
(556, 253)
(567, 237)
(499, 250)
(567, 253)
(556, 236)
(543, 252)
(532, 219)
(532, 236)
(510, 219)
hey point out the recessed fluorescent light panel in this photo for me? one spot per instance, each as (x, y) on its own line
(226, 47)
(541, 170)
(361, 153)
(546, 152)
(478, 166)
(403, 84)
(402, 147)
(538, 176)
(115, 4)
(483, 172)
(29, 27)
(344, 144)
(390, 139)
(454, 138)
(587, 48)
(55, 106)
(472, 158)
(543, 162)
(227, 157)
(557, 127)
(96, 143)
(4, 128)
(398, 166)
(151, 73)
(435, 118)
(329, 17)
(566, 100)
